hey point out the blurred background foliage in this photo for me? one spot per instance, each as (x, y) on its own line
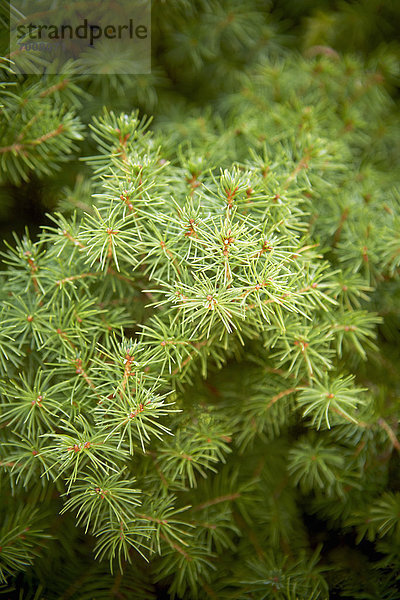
(201, 52)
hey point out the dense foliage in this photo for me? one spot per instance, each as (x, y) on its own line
(199, 352)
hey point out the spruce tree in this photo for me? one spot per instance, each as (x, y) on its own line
(198, 353)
